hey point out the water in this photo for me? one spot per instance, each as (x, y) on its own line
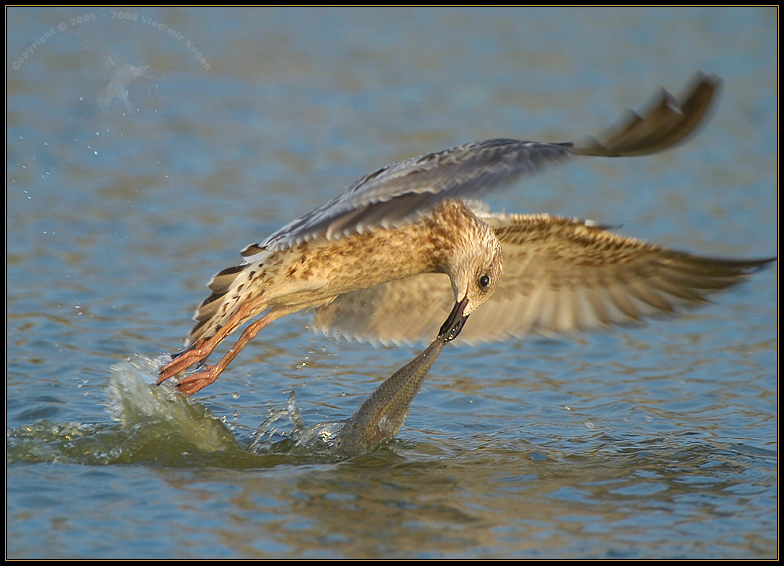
(652, 442)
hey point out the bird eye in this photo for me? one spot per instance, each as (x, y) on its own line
(484, 281)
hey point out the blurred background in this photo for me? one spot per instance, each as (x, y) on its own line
(147, 146)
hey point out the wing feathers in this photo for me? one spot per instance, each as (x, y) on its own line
(400, 191)
(560, 276)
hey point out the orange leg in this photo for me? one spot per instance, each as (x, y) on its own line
(202, 379)
(204, 348)
(198, 352)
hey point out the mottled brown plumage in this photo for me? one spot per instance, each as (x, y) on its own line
(385, 259)
(561, 276)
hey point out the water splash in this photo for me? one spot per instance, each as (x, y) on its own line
(158, 425)
(112, 78)
(148, 424)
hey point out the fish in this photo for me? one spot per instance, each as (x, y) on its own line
(382, 414)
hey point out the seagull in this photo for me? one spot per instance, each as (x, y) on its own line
(407, 253)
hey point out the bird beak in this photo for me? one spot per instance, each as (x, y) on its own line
(454, 322)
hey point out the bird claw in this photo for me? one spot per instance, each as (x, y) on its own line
(198, 381)
(171, 369)
(180, 363)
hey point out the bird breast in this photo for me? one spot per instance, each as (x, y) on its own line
(317, 270)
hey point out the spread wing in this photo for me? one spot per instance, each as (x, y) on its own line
(561, 275)
(399, 192)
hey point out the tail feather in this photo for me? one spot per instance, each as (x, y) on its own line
(230, 288)
(221, 281)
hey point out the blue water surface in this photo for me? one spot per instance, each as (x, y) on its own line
(650, 442)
